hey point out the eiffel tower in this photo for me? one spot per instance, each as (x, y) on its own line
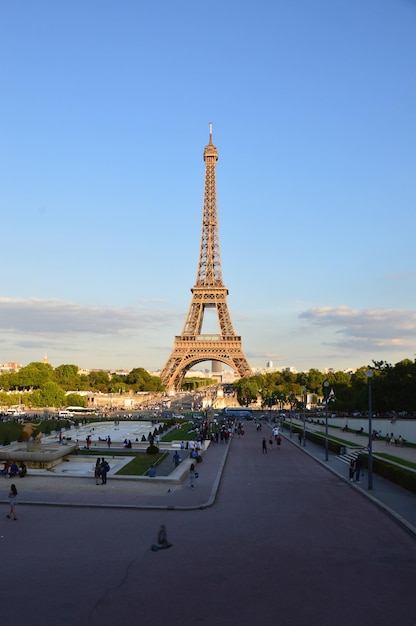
(192, 347)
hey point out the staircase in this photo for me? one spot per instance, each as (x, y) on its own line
(351, 454)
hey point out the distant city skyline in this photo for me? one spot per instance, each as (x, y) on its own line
(312, 107)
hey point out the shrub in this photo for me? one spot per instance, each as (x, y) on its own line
(152, 450)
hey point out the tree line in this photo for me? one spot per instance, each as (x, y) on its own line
(39, 384)
(393, 389)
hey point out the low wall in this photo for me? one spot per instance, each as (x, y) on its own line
(44, 457)
(403, 427)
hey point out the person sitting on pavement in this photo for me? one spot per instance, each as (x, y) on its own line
(5, 470)
(14, 470)
(22, 470)
(162, 538)
(194, 455)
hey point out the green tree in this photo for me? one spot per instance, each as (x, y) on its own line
(34, 375)
(140, 380)
(67, 377)
(99, 381)
(50, 394)
(74, 399)
(247, 390)
(8, 381)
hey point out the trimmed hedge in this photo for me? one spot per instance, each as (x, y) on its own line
(319, 438)
(397, 474)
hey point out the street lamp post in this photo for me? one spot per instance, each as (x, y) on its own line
(290, 401)
(369, 374)
(304, 416)
(326, 386)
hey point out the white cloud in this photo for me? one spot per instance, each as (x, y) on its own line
(367, 329)
(90, 336)
(55, 317)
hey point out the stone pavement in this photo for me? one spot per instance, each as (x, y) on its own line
(285, 541)
(46, 488)
(56, 489)
(397, 502)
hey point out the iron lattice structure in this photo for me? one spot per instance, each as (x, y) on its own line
(192, 347)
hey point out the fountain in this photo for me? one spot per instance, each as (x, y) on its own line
(33, 452)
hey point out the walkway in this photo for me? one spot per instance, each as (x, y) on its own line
(397, 502)
(286, 542)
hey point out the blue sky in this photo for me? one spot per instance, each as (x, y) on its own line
(105, 108)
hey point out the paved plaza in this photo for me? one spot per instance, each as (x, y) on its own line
(270, 539)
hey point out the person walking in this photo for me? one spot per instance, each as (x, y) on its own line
(97, 471)
(176, 458)
(104, 469)
(264, 446)
(192, 475)
(352, 469)
(12, 501)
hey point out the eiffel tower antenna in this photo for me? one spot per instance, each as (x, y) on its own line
(192, 347)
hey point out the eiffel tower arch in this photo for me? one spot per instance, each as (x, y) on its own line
(209, 292)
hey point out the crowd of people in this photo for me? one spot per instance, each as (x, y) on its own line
(11, 470)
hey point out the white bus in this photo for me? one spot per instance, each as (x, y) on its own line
(236, 411)
(72, 411)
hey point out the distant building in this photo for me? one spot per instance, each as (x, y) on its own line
(7, 368)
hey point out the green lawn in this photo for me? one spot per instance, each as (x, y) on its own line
(141, 463)
(137, 466)
(397, 460)
(181, 433)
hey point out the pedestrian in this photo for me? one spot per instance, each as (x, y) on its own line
(357, 469)
(279, 440)
(162, 538)
(176, 458)
(270, 442)
(97, 471)
(352, 469)
(300, 437)
(151, 472)
(192, 475)
(104, 469)
(264, 445)
(12, 501)
(108, 441)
